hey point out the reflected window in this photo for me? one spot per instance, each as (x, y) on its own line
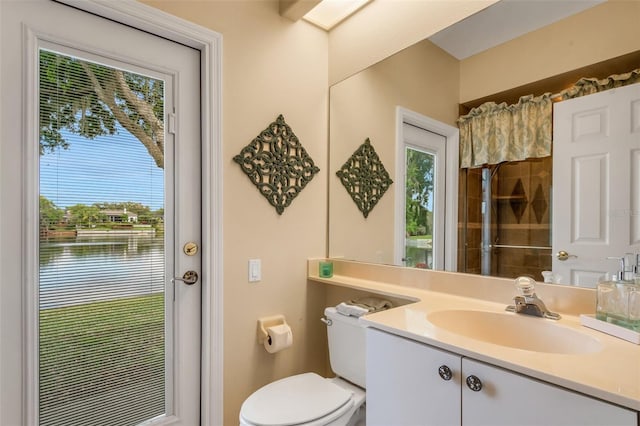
(423, 202)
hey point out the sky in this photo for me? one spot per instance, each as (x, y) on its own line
(105, 169)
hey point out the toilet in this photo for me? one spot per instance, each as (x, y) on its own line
(311, 400)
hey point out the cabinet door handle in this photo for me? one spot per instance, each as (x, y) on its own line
(474, 383)
(445, 372)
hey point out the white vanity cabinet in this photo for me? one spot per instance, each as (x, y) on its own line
(405, 387)
(508, 398)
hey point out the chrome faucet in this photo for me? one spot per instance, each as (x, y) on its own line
(528, 303)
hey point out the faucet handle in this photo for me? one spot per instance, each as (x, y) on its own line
(528, 303)
(525, 285)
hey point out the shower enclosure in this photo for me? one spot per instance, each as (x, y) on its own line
(505, 219)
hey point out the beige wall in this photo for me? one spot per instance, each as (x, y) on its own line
(423, 79)
(385, 27)
(603, 32)
(271, 66)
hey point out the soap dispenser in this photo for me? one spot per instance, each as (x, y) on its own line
(634, 297)
(618, 296)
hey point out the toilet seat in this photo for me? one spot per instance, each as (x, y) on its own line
(301, 399)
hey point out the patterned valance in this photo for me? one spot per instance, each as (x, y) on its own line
(493, 133)
(588, 86)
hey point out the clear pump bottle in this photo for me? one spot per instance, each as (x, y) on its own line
(634, 297)
(618, 294)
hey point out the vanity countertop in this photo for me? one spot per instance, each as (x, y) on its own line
(611, 373)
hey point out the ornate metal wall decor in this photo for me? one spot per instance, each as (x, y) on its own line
(277, 164)
(364, 177)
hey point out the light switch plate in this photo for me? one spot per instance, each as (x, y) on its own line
(255, 270)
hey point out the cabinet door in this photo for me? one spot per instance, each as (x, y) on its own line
(404, 386)
(507, 398)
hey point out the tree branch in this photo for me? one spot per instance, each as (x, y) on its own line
(54, 92)
(108, 96)
(143, 108)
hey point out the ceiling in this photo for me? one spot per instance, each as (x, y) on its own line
(504, 21)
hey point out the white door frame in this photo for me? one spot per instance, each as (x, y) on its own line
(209, 43)
(404, 115)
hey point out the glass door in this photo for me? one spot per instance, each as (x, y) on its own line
(109, 314)
(101, 287)
(72, 356)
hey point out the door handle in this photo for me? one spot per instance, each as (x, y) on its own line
(189, 278)
(563, 255)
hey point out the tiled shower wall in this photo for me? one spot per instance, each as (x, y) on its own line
(521, 216)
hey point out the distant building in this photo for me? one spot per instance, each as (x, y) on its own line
(120, 215)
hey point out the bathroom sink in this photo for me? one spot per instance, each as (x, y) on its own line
(515, 331)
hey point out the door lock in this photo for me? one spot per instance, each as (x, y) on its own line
(190, 249)
(189, 278)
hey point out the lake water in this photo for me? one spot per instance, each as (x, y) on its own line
(81, 270)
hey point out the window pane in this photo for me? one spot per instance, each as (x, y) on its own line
(419, 208)
(101, 285)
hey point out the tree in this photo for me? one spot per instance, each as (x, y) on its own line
(89, 100)
(419, 192)
(83, 215)
(50, 214)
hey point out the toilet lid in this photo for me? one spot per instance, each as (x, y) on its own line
(294, 400)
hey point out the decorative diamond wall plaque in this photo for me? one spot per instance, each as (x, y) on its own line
(277, 164)
(364, 177)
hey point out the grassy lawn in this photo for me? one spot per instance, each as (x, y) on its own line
(98, 348)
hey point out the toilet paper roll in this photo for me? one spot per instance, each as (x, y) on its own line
(280, 338)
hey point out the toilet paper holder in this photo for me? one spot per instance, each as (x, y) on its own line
(266, 322)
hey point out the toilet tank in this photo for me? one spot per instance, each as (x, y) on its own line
(347, 345)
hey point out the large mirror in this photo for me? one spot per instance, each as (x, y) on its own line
(426, 87)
